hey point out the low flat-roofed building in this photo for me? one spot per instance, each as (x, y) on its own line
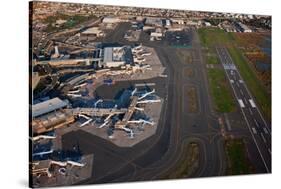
(242, 27)
(154, 21)
(51, 121)
(110, 20)
(41, 167)
(48, 106)
(91, 33)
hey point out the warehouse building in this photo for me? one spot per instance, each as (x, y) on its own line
(51, 121)
(242, 27)
(48, 106)
(110, 20)
(91, 33)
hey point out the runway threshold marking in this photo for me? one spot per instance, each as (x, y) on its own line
(256, 122)
(265, 130)
(241, 103)
(263, 138)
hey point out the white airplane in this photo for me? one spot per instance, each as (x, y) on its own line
(74, 95)
(108, 117)
(63, 164)
(129, 131)
(146, 94)
(84, 116)
(86, 122)
(141, 121)
(80, 85)
(162, 75)
(43, 153)
(131, 134)
(140, 109)
(74, 163)
(103, 125)
(146, 67)
(42, 137)
(148, 101)
(73, 92)
(134, 91)
(146, 54)
(96, 103)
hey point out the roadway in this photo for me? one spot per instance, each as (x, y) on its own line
(258, 127)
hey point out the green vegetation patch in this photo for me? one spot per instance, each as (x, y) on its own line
(221, 91)
(212, 59)
(214, 36)
(238, 162)
(254, 85)
(71, 21)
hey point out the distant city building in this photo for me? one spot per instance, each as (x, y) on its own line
(91, 33)
(154, 21)
(242, 27)
(110, 20)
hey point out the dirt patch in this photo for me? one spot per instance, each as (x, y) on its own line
(188, 72)
(192, 99)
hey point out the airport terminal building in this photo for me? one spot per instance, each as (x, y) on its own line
(116, 56)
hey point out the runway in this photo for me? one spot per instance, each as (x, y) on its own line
(258, 127)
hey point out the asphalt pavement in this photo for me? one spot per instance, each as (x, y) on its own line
(258, 127)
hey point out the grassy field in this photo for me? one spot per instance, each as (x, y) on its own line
(254, 85)
(212, 59)
(220, 90)
(238, 162)
(188, 162)
(214, 36)
(71, 21)
(211, 37)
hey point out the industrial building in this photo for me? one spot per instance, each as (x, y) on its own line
(48, 106)
(51, 121)
(91, 33)
(110, 20)
(242, 27)
(49, 114)
(157, 34)
(151, 21)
